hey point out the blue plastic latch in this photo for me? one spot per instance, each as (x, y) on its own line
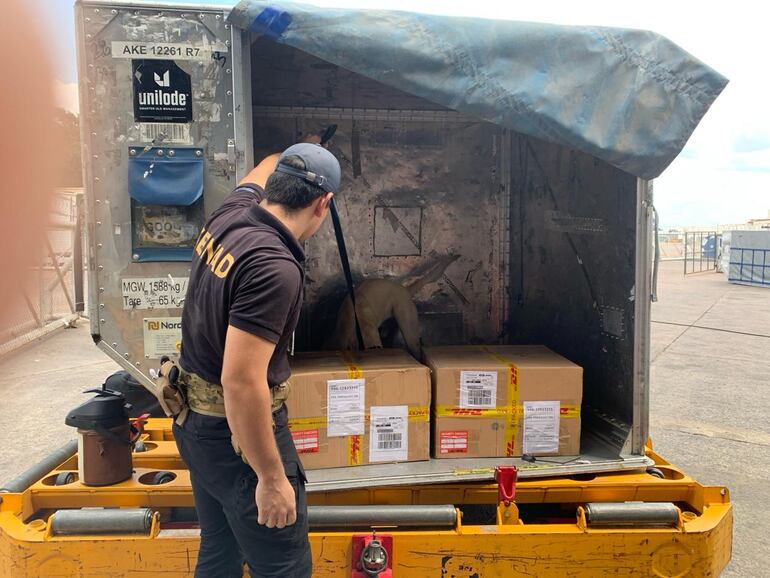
(271, 22)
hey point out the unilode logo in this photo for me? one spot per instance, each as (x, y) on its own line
(162, 92)
(165, 81)
(161, 97)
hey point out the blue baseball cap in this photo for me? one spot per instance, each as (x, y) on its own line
(321, 167)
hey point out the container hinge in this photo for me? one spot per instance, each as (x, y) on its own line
(231, 155)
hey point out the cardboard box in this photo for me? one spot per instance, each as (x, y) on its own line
(339, 400)
(495, 401)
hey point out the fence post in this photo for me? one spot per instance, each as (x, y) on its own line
(77, 254)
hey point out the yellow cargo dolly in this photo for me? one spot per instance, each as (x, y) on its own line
(547, 531)
(526, 151)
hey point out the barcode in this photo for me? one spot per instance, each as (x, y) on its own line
(165, 132)
(388, 441)
(480, 397)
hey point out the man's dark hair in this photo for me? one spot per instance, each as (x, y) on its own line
(290, 191)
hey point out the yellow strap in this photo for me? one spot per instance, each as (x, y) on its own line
(354, 371)
(566, 411)
(355, 451)
(514, 402)
(455, 411)
(304, 423)
(419, 413)
(569, 411)
(416, 414)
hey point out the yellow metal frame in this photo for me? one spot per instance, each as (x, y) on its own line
(700, 544)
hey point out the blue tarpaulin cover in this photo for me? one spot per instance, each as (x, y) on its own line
(629, 97)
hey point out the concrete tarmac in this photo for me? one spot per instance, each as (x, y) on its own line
(709, 399)
(710, 395)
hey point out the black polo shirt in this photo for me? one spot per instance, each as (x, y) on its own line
(247, 271)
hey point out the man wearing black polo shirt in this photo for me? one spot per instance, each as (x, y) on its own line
(242, 306)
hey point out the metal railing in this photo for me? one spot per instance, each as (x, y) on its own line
(702, 251)
(53, 293)
(750, 266)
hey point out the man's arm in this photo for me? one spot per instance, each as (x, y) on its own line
(266, 167)
(249, 414)
(259, 174)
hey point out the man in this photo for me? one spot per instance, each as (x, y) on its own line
(242, 306)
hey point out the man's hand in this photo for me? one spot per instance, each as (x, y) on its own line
(321, 138)
(312, 138)
(276, 503)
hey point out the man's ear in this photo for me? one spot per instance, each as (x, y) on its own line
(323, 203)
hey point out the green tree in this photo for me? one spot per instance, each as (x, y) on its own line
(67, 127)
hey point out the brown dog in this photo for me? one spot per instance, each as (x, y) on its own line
(377, 300)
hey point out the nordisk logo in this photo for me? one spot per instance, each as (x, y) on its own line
(158, 325)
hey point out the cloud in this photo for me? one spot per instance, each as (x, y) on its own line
(748, 142)
(755, 161)
(66, 96)
(691, 192)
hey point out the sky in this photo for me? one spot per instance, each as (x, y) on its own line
(723, 174)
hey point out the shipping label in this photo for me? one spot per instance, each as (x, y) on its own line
(306, 441)
(161, 133)
(478, 389)
(162, 336)
(153, 292)
(345, 407)
(541, 427)
(453, 442)
(164, 50)
(388, 433)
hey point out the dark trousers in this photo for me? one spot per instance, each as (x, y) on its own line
(223, 487)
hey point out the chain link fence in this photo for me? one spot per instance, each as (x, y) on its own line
(53, 294)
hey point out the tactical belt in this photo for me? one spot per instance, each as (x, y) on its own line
(208, 398)
(180, 392)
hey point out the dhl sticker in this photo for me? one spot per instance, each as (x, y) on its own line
(417, 414)
(355, 457)
(565, 411)
(454, 411)
(569, 411)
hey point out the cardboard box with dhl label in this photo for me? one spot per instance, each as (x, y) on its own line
(348, 409)
(508, 400)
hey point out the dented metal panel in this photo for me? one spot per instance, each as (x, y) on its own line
(573, 287)
(420, 184)
(117, 43)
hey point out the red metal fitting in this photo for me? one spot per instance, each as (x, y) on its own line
(372, 556)
(136, 427)
(505, 476)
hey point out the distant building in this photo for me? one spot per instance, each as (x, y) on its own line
(761, 223)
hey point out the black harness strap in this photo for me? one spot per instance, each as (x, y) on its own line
(346, 268)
